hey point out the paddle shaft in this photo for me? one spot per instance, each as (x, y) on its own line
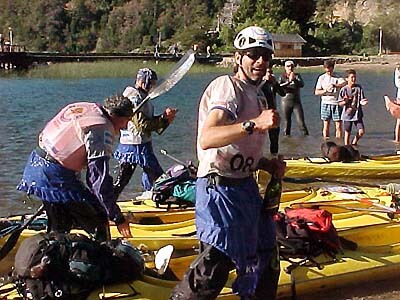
(345, 207)
(337, 181)
(12, 240)
(164, 152)
(189, 166)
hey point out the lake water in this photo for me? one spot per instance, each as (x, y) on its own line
(27, 104)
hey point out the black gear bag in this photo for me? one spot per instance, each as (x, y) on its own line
(70, 266)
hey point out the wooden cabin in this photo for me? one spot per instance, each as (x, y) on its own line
(288, 45)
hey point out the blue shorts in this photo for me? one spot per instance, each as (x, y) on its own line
(359, 124)
(330, 112)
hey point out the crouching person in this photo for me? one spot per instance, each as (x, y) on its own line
(233, 230)
(80, 136)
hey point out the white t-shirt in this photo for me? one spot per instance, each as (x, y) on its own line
(242, 101)
(323, 83)
(397, 82)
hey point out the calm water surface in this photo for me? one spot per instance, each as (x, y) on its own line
(27, 104)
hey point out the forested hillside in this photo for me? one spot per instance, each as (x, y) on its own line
(329, 26)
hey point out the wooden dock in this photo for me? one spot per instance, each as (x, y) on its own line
(24, 60)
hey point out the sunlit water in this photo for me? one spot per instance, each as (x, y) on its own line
(27, 104)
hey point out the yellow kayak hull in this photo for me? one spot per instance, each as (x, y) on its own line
(147, 213)
(384, 167)
(375, 233)
(377, 257)
(182, 234)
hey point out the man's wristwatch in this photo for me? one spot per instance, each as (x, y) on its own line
(248, 126)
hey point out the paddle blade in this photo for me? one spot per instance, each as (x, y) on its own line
(162, 258)
(172, 78)
(182, 67)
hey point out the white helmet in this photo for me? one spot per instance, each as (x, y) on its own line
(253, 36)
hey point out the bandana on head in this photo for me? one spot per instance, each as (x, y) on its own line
(146, 75)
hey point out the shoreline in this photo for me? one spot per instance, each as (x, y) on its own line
(381, 63)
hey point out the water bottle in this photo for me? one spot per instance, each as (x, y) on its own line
(272, 197)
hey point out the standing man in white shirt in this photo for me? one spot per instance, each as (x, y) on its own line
(328, 86)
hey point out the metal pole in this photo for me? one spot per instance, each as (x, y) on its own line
(380, 41)
(11, 36)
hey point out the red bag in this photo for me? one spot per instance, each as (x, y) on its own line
(306, 232)
(318, 220)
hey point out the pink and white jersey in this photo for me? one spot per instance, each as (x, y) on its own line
(242, 101)
(80, 131)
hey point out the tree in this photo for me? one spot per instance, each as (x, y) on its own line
(196, 24)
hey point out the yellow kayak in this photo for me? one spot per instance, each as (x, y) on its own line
(146, 212)
(182, 234)
(377, 257)
(375, 167)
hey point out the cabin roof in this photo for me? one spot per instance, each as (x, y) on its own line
(288, 38)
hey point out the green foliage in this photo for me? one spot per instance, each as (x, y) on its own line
(137, 25)
(288, 26)
(339, 38)
(247, 10)
(389, 23)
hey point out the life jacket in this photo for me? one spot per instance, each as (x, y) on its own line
(134, 134)
(62, 137)
(70, 266)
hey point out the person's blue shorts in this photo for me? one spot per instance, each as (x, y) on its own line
(359, 124)
(330, 112)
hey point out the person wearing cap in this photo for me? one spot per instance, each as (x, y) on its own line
(135, 144)
(328, 86)
(233, 229)
(270, 88)
(291, 83)
(79, 137)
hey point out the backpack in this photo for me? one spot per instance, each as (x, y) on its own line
(306, 233)
(70, 266)
(176, 186)
(303, 234)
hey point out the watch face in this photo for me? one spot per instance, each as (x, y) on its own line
(248, 126)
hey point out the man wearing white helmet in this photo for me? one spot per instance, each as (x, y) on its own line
(135, 144)
(233, 230)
